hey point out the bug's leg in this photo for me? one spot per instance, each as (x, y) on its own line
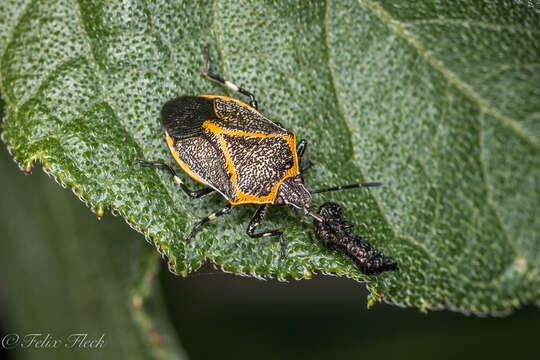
(193, 194)
(206, 219)
(300, 149)
(213, 77)
(256, 220)
(307, 229)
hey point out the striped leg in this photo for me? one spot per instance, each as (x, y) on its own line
(206, 219)
(193, 194)
(300, 149)
(213, 77)
(256, 220)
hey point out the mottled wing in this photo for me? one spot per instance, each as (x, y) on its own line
(197, 150)
(238, 116)
(260, 163)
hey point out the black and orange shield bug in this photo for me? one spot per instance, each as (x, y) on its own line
(231, 148)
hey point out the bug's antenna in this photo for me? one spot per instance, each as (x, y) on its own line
(344, 187)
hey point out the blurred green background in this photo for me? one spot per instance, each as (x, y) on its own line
(65, 272)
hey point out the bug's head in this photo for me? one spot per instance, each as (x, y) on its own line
(293, 192)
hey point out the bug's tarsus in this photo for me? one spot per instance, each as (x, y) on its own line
(206, 219)
(254, 223)
(283, 245)
(213, 77)
(344, 187)
(162, 165)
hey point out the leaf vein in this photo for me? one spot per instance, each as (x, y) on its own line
(401, 29)
(395, 232)
(489, 193)
(469, 23)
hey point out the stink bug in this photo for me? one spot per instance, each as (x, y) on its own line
(334, 232)
(234, 150)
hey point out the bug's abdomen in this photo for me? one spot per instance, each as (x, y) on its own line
(259, 163)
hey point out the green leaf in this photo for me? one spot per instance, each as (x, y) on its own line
(439, 102)
(62, 279)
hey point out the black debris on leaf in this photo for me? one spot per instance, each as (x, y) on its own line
(335, 233)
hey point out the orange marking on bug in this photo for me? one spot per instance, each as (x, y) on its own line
(226, 98)
(216, 129)
(244, 198)
(228, 160)
(183, 165)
